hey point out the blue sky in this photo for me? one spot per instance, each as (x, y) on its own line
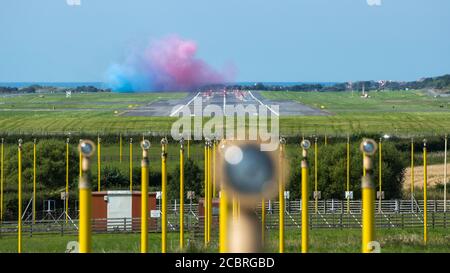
(267, 40)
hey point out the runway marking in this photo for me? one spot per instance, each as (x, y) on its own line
(181, 107)
(277, 114)
(224, 103)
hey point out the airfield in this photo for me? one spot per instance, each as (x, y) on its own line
(403, 113)
(222, 99)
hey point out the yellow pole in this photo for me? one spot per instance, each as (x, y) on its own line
(281, 200)
(223, 221)
(80, 160)
(380, 165)
(316, 200)
(209, 193)
(131, 164)
(181, 194)
(305, 218)
(1, 182)
(120, 148)
(214, 169)
(205, 200)
(145, 145)
(425, 184)
(19, 220)
(348, 174)
(34, 181)
(98, 164)
(189, 147)
(87, 149)
(164, 196)
(368, 147)
(412, 169)
(326, 140)
(263, 221)
(66, 196)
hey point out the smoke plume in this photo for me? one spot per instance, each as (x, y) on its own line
(169, 64)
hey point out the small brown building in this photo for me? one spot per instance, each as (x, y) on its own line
(121, 211)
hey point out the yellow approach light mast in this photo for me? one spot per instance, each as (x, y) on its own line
(145, 145)
(305, 144)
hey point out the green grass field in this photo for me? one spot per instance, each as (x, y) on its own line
(394, 112)
(321, 241)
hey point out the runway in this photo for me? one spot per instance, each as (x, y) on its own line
(227, 101)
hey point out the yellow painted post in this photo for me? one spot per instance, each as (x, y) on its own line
(425, 184)
(210, 192)
(189, 147)
(66, 193)
(205, 200)
(316, 197)
(99, 155)
(326, 140)
(34, 181)
(1, 181)
(281, 197)
(120, 148)
(19, 199)
(214, 168)
(263, 221)
(380, 176)
(412, 169)
(182, 194)
(368, 147)
(305, 213)
(348, 174)
(164, 195)
(80, 160)
(145, 145)
(223, 221)
(131, 164)
(86, 149)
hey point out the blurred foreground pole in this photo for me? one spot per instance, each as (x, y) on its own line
(445, 174)
(1, 181)
(412, 175)
(66, 193)
(131, 164)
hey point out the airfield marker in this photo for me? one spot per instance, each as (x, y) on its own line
(164, 195)
(19, 199)
(210, 191)
(316, 200)
(120, 148)
(380, 165)
(445, 174)
(34, 181)
(368, 147)
(281, 197)
(425, 178)
(87, 149)
(66, 195)
(1, 181)
(181, 193)
(80, 169)
(412, 174)
(145, 145)
(99, 154)
(305, 215)
(131, 164)
(263, 221)
(348, 174)
(205, 199)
